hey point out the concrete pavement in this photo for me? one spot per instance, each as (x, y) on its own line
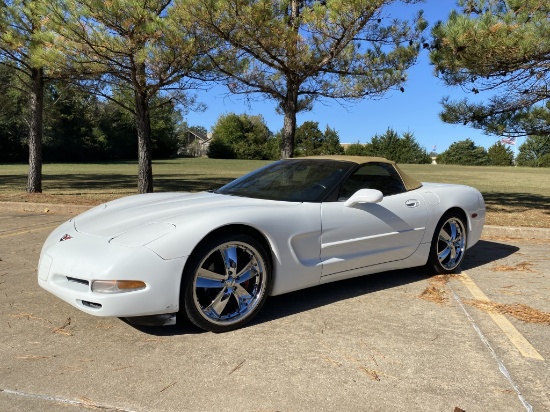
(376, 343)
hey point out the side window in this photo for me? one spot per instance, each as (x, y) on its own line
(379, 176)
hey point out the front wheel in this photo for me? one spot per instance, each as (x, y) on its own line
(226, 282)
(448, 245)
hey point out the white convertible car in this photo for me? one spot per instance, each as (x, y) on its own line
(214, 257)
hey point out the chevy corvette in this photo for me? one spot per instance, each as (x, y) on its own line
(214, 257)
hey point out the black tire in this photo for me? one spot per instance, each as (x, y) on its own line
(448, 245)
(225, 282)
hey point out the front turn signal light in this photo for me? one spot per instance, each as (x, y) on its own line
(117, 286)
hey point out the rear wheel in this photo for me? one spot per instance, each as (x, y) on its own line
(226, 282)
(448, 244)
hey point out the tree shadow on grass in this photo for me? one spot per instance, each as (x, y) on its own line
(167, 183)
(511, 202)
(105, 182)
(277, 307)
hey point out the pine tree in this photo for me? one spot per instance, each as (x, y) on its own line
(464, 153)
(535, 152)
(499, 47)
(500, 155)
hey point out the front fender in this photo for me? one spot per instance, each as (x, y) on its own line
(292, 230)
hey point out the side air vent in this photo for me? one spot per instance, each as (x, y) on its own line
(92, 305)
(80, 281)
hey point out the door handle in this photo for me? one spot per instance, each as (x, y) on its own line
(412, 203)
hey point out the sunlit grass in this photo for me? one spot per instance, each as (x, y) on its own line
(487, 179)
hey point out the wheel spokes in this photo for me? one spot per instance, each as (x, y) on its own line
(248, 272)
(208, 279)
(453, 230)
(444, 236)
(229, 255)
(219, 303)
(242, 296)
(443, 254)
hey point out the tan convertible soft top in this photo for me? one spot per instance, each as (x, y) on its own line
(410, 182)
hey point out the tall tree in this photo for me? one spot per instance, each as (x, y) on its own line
(357, 149)
(311, 141)
(133, 46)
(464, 153)
(331, 143)
(501, 47)
(535, 152)
(239, 137)
(297, 51)
(403, 149)
(24, 46)
(500, 155)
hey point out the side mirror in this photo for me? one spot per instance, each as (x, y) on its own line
(364, 196)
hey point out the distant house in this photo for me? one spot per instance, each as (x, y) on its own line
(195, 144)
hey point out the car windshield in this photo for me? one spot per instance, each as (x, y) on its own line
(292, 180)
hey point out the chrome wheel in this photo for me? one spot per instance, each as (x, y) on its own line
(228, 285)
(449, 244)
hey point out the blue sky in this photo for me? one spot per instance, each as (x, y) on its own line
(416, 110)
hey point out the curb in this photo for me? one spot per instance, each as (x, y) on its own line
(513, 232)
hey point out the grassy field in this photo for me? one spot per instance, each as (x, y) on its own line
(514, 196)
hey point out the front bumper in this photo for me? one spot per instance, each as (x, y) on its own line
(68, 268)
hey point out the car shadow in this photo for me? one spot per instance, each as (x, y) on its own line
(485, 252)
(277, 307)
(183, 327)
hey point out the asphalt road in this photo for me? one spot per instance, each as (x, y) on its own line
(397, 341)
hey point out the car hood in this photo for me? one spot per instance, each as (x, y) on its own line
(119, 216)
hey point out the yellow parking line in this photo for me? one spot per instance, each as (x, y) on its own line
(23, 232)
(517, 339)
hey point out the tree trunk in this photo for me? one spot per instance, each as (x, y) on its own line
(145, 145)
(36, 102)
(290, 105)
(290, 108)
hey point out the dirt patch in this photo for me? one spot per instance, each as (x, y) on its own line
(517, 310)
(85, 199)
(520, 267)
(517, 216)
(510, 291)
(437, 290)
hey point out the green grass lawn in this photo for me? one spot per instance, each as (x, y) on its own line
(514, 196)
(487, 179)
(121, 177)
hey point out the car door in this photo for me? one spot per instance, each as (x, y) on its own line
(367, 234)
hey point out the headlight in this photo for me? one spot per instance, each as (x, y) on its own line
(117, 286)
(142, 235)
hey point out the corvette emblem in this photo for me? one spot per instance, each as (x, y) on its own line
(65, 237)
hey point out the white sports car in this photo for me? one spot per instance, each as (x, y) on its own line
(214, 257)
